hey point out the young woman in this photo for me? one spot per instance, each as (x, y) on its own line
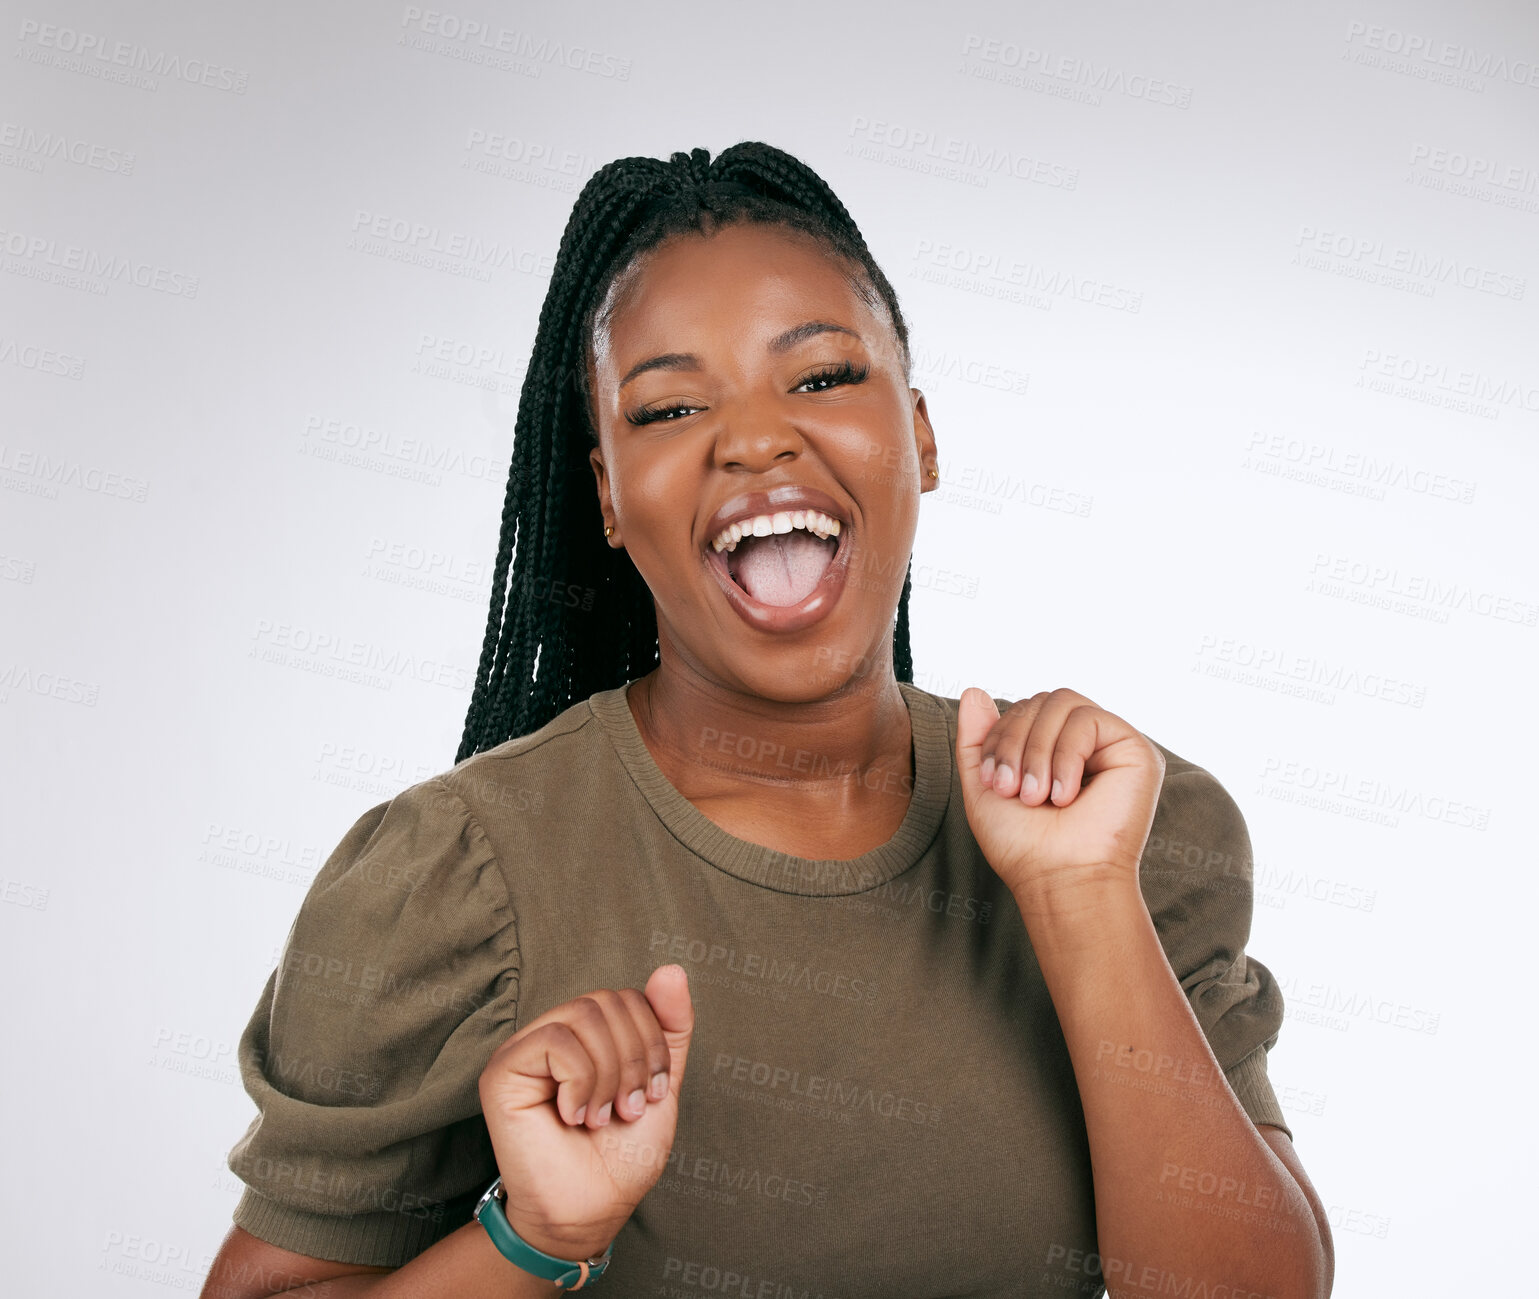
(726, 958)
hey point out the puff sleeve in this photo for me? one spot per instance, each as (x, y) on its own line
(398, 980)
(1196, 877)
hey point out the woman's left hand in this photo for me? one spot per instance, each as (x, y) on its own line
(1058, 791)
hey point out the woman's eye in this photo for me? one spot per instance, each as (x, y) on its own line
(832, 376)
(654, 414)
(821, 381)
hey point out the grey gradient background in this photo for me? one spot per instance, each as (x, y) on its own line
(1276, 329)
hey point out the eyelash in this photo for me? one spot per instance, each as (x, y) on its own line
(843, 372)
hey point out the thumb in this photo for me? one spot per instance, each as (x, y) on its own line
(976, 715)
(668, 992)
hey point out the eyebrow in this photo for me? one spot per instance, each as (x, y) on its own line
(780, 343)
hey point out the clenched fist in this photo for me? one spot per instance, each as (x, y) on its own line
(582, 1105)
(1056, 790)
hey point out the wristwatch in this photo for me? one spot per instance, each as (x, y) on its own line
(522, 1254)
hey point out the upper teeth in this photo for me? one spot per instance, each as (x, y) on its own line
(762, 525)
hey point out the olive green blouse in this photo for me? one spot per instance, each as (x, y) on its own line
(878, 1099)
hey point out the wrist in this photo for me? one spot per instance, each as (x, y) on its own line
(571, 1256)
(1073, 908)
(573, 1244)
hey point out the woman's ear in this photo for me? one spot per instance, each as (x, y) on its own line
(606, 507)
(924, 444)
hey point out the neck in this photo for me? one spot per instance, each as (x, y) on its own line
(845, 750)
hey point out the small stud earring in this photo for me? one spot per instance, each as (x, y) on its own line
(608, 530)
(933, 474)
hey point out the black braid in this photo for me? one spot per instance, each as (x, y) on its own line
(575, 616)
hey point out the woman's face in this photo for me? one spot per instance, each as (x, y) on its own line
(728, 382)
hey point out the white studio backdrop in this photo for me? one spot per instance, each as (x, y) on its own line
(1226, 318)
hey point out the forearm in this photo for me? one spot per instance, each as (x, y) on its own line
(1186, 1189)
(464, 1264)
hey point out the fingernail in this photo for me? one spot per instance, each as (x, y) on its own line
(1001, 775)
(1030, 785)
(986, 771)
(603, 1115)
(659, 1086)
(1057, 790)
(638, 1100)
(581, 1111)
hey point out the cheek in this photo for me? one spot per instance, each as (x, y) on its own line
(853, 434)
(881, 459)
(655, 502)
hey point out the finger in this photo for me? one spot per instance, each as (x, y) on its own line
(1121, 745)
(976, 715)
(668, 993)
(653, 1043)
(618, 1099)
(586, 1018)
(1037, 758)
(544, 1061)
(1076, 742)
(1007, 742)
(640, 1043)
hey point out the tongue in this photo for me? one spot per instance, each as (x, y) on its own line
(781, 569)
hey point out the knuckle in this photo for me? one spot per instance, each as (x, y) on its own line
(634, 999)
(565, 1034)
(500, 1056)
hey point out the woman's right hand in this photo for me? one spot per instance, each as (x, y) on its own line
(575, 1151)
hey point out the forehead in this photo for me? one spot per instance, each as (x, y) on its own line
(746, 278)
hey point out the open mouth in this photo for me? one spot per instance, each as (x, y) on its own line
(799, 570)
(782, 569)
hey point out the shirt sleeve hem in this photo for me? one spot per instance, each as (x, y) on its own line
(1254, 1089)
(368, 1239)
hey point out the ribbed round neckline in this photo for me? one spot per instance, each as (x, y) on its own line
(781, 872)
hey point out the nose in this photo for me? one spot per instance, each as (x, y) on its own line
(753, 436)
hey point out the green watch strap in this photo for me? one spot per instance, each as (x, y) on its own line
(564, 1272)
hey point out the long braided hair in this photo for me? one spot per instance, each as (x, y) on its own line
(576, 617)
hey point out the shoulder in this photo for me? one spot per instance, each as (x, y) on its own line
(520, 774)
(438, 824)
(408, 927)
(416, 868)
(1197, 869)
(1198, 825)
